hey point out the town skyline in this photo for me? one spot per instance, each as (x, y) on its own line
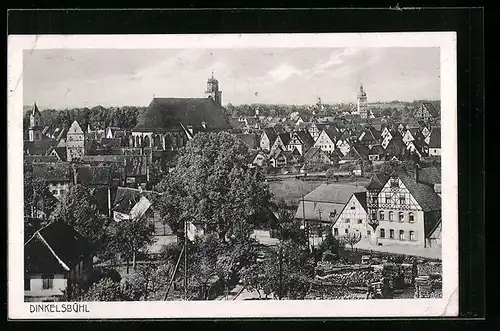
(89, 78)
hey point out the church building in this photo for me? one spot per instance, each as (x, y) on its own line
(169, 123)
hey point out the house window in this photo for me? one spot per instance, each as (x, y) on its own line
(391, 216)
(402, 199)
(394, 183)
(47, 282)
(388, 198)
(353, 206)
(412, 235)
(27, 284)
(348, 220)
(374, 200)
(401, 216)
(346, 231)
(368, 232)
(360, 221)
(382, 233)
(335, 231)
(411, 218)
(374, 215)
(391, 234)
(381, 215)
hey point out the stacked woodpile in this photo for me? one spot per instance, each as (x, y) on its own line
(409, 272)
(428, 283)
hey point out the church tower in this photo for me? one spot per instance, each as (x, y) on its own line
(75, 142)
(35, 127)
(213, 90)
(362, 103)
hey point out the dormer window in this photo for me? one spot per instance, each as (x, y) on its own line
(204, 125)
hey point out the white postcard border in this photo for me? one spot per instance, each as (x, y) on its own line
(447, 306)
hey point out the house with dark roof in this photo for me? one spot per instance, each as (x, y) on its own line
(39, 147)
(279, 157)
(327, 140)
(376, 153)
(320, 208)
(55, 257)
(353, 218)
(40, 158)
(57, 176)
(133, 204)
(426, 111)
(281, 141)
(58, 152)
(301, 141)
(168, 123)
(267, 139)
(316, 156)
(405, 209)
(435, 142)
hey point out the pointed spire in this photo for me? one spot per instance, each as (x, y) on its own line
(34, 110)
(212, 74)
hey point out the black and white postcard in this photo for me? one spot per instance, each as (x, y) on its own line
(279, 175)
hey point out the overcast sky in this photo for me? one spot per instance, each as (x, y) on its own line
(78, 78)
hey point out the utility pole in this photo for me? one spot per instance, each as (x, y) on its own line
(185, 260)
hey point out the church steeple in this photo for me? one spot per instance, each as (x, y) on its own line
(35, 127)
(213, 91)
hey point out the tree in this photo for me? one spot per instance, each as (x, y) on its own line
(79, 209)
(331, 244)
(148, 282)
(104, 290)
(129, 237)
(213, 184)
(287, 271)
(351, 239)
(38, 201)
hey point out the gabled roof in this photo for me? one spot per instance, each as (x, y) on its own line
(431, 109)
(55, 248)
(75, 128)
(377, 182)
(304, 125)
(435, 138)
(361, 150)
(52, 172)
(333, 133)
(361, 197)
(424, 194)
(305, 137)
(285, 138)
(311, 152)
(165, 114)
(126, 198)
(60, 151)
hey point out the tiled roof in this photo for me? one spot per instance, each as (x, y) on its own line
(165, 114)
(110, 142)
(38, 147)
(285, 137)
(361, 196)
(377, 150)
(52, 172)
(333, 193)
(40, 158)
(333, 133)
(311, 152)
(424, 194)
(55, 248)
(377, 182)
(432, 110)
(435, 139)
(306, 138)
(126, 198)
(429, 175)
(91, 175)
(61, 152)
